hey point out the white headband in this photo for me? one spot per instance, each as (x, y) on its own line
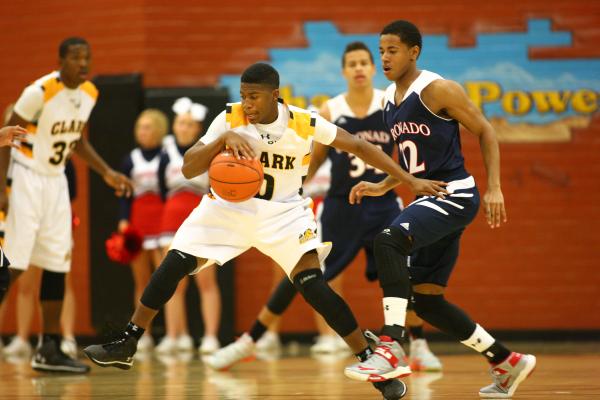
(185, 105)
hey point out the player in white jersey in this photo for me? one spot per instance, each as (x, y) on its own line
(55, 110)
(278, 222)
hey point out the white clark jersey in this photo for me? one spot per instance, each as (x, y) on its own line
(284, 146)
(174, 179)
(57, 116)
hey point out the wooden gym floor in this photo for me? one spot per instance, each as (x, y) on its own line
(572, 372)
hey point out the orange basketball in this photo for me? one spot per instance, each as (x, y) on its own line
(235, 179)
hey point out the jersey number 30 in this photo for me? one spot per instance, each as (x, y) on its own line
(59, 152)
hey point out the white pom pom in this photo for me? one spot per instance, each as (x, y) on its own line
(198, 112)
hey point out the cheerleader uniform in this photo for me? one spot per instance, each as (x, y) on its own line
(181, 195)
(144, 210)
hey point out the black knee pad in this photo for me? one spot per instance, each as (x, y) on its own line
(282, 297)
(174, 267)
(391, 248)
(394, 238)
(312, 286)
(443, 315)
(53, 286)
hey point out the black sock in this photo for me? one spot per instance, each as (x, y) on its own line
(363, 355)
(134, 330)
(496, 353)
(416, 332)
(51, 337)
(257, 330)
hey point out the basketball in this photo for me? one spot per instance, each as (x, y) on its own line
(235, 179)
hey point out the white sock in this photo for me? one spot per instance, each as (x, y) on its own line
(394, 310)
(480, 340)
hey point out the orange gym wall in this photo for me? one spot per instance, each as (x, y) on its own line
(538, 272)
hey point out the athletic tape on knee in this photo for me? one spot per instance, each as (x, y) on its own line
(312, 286)
(53, 286)
(282, 297)
(174, 267)
(444, 315)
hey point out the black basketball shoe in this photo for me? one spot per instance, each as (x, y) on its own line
(50, 358)
(118, 353)
(392, 389)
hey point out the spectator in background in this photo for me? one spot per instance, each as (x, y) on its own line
(144, 210)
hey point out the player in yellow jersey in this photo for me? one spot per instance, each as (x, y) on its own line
(278, 222)
(55, 110)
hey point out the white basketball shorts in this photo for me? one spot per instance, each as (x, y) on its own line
(38, 224)
(220, 231)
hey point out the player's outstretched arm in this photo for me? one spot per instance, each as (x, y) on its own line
(364, 188)
(197, 159)
(449, 97)
(376, 157)
(12, 136)
(122, 185)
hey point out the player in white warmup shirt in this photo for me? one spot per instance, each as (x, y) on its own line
(55, 110)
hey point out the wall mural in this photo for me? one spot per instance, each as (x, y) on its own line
(526, 100)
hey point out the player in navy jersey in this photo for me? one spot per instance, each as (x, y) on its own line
(423, 112)
(144, 210)
(352, 227)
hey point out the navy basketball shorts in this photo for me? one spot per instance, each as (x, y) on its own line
(352, 228)
(436, 226)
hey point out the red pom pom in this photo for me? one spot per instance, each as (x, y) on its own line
(123, 247)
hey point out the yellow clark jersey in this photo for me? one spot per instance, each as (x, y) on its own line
(283, 146)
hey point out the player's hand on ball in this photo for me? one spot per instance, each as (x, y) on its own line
(12, 136)
(238, 145)
(362, 189)
(493, 204)
(426, 187)
(122, 185)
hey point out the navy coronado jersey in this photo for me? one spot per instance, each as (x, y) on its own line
(429, 144)
(346, 169)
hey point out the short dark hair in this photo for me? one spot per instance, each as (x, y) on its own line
(356, 46)
(63, 49)
(261, 73)
(407, 32)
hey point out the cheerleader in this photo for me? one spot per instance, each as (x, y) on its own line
(181, 197)
(143, 211)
